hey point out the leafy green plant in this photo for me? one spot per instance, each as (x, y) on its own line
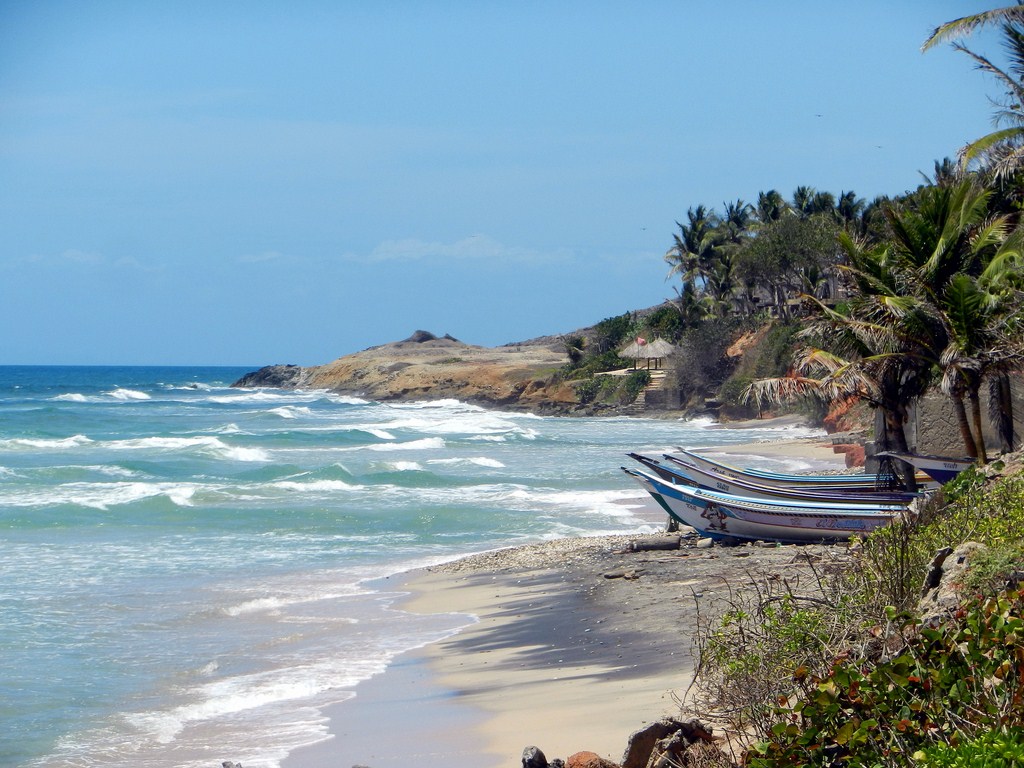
(896, 558)
(612, 332)
(587, 390)
(992, 749)
(701, 365)
(633, 385)
(664, 322)
(991, 569)
(948, 684)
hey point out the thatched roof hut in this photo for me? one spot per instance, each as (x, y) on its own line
(641, 349)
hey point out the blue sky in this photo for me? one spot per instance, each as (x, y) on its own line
(252, 182)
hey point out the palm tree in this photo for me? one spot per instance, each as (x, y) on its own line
(770, 206)
(945, 173)
(737, 219)
(848, 209)
(864, 360)
(694, 248)
(720, 284)
(965, 25)
(952, 271)
(1001, 151)
(935, 301)
(803, 200)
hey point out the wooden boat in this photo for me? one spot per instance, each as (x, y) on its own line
(941, 469)
(840, 483)
(675, 469)
(724, 516)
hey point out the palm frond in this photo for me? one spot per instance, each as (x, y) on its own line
(966, 25)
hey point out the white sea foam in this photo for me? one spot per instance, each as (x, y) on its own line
(291, 411)
(426, 444)
(382, 434)
(315, 485)
(420, 405)
(275, 693)
(64, 443)
(347, 400)
(259, 605)
(205, 444)
(249, 396)
(239, 453)
(128, 394)
(291, 396)
(101, 496)
(72, 397)
(109, 470)
(701, 422)
(480, 461)
(405, 466)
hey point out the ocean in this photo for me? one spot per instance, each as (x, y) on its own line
(187, 571)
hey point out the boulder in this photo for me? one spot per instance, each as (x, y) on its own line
(653, 740)
(588, 760)
(943, 589)
(279, 376)
(534, 758)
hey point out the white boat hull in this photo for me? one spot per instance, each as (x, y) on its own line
(724, 484)
(720, 516)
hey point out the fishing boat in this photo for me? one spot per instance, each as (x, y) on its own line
(941, 469)
(725, 516)
(674, 469)
(839, 483)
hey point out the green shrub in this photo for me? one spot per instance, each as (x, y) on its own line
(700, 365)
(613, 332)
(897, 556)
(992, 749)
(731, 392)
(774, 356)
(587, 390)
(665, 322)
(949, 684)
(613, 390)
(633, 385)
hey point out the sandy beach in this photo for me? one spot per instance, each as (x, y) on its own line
(576, 644)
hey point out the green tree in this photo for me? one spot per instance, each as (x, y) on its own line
(770, 206)
(1002, 151)
(941, 243)
(784, 251)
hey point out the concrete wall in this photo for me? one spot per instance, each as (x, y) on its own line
(662, 399)
(932, 426)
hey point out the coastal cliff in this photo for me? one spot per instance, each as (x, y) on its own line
(424, 366)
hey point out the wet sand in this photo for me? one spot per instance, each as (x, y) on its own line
(578, 643)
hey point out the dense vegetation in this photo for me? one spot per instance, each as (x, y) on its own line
(851, 675)
(894, 297)
(925, 293)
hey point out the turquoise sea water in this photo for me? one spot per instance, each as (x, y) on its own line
(183, 566)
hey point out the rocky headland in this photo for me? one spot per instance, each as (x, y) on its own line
(520, 376)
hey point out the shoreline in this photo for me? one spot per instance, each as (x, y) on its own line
(576, 645)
